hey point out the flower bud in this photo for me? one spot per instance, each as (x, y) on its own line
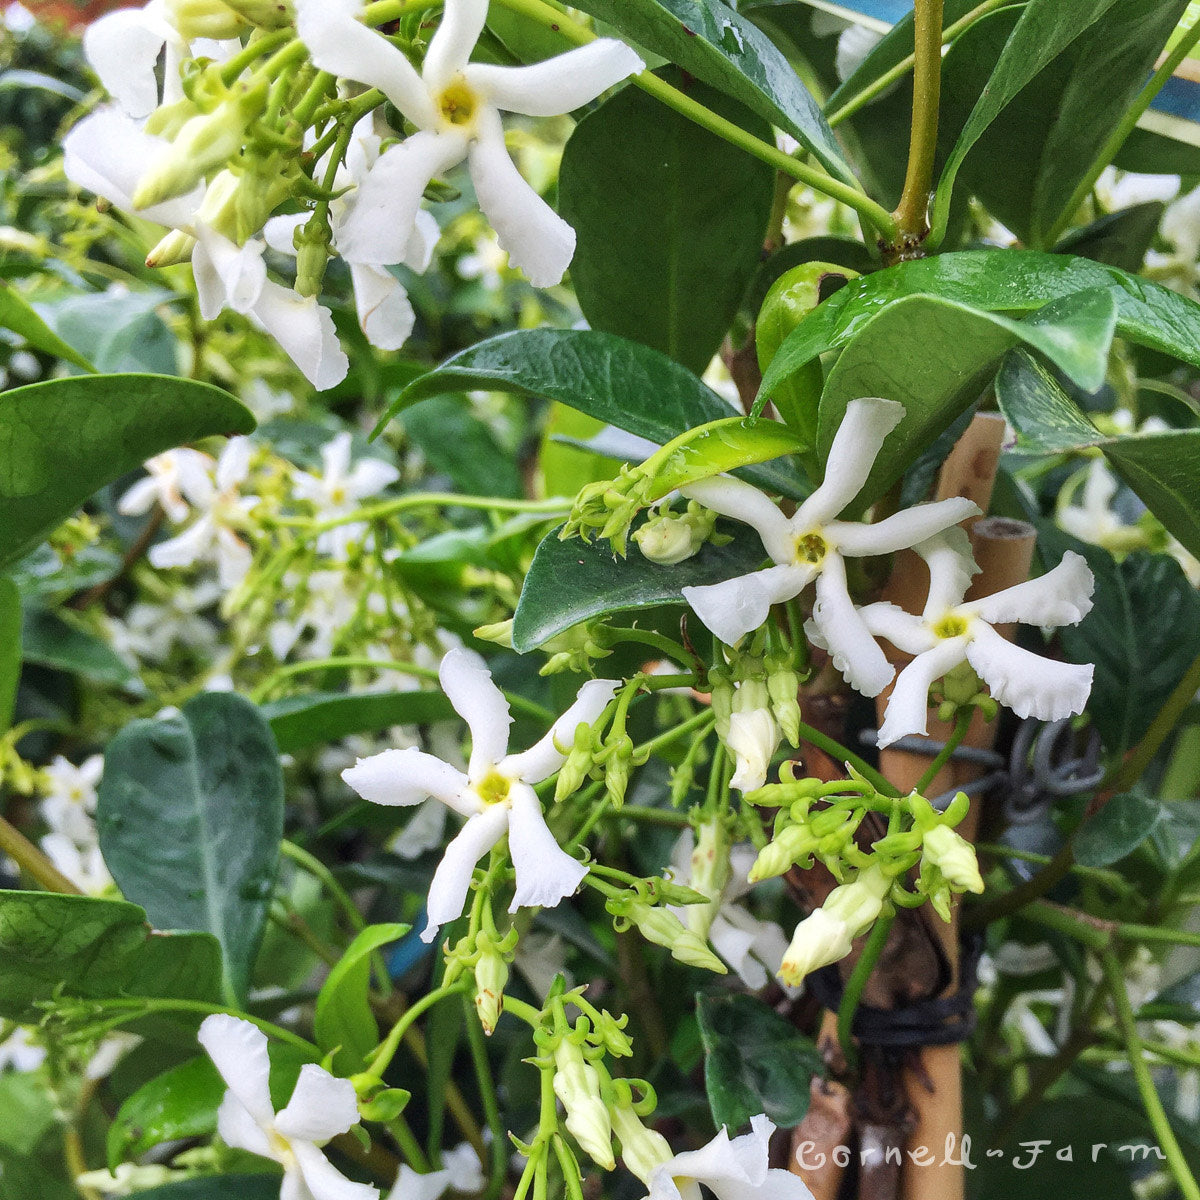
(783, 685)
(577, 1086)
(205, 19)
(721, 699)
(609, 1032)
(577, 765)
(710, 873)
(312, 256)
(500, 633)
(663, 928)
(174, 247)
(788, 848)
(642, 1149)
(616, 769)
(266, 14)
(752, 739)
(491, 976)
(669, 538)
(954, 857)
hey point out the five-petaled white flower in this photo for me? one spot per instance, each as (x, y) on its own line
(495, 795)
(813, 544)
(1093, 519)
(321, 1107)
(69, 796)
(455, 105)
(175, 479)
(948, 632)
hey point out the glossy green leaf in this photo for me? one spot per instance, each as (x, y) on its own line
(572, 581)
(317, 718)
(1142, 634)
(755, 1061)
(1163, 468)
(1000, 281)
(118, 333)
(1117, 830)
(80, 947)
(190, 818)
(1119, 239)
(344, 1021)
(16, 314)
(670, 221)
(50, 640)
(10, 649)
(459, 444)
(218, 1187)
(712, 41)
(62, 440)
(615, 380)
(936, 357)
(29, 1111)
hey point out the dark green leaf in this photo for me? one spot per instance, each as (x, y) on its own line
(1119, 239)
(457, 443)
(572, 581)
(218, 1187)
(62, 440)
(755, 1061)
(1117, 830)
(344, 1021)
(15, 314)
(190, 818)
(50, 640)
(117, 333)
(77, 946)
(320, 717)
(10, 649)
(617, 381)
(670, 220)
(710, 40)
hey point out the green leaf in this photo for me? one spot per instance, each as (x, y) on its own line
(710, 40)
(1008, 281)
(62, 440)
(10, 649)
(320, 717)
(79, 947)
(670, 221)
(1117, 830)
(118, 333)
(16, 314)
(1142, 634)
(50, 640)
(1119, 239)
(936, 357)
(1163, 468)
(572, 581)
(755, 1061)
(218, 1187)
(456, 442)
(190, 817)
(344, 1021)
(29, 1111)
(615, 380)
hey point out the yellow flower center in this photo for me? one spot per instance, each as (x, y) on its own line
(811, 548)
(458, 103)
(337, 495)
(493, 788)
(281, 1147)
(951, 626)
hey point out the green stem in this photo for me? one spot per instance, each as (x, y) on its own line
(1007, 903)
(551, 507)
(840, 754)
(33, 862)
(1125, 127)
(400, 1129)
(388, 1047)
(316, 868)
(913, 210)
(491, 1106)
(852, 996)
(943, 756)
(1151, 1101)
(1109, 879)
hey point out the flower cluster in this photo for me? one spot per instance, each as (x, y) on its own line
(68, 807)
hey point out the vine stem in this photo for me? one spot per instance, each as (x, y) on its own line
(855, 985)
(31, 860)
(959, 732)
(848, 194)
(840, 754)
(912, 212)
(491, 1105)
(388, 1047)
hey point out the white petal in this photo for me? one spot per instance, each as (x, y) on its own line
(546, 873)
(380, 217)
(233, 558)
(234, 464)
(141, 498)
(743, 502)
(852, 454)
(464, 1168)
(280, 232)
(422, 243)
(335, 458)
(452, 879)
(324, 1180)
(305, 331)
(903, 630)
(385, 314)
(409, 776)
(854, 651)
(123, 48)
(738, 606)
(410, 1185)
(186, 548)
(951, 565)
(544, 757)
(227, 275)
(240, 1130)
(425, 831)
(340, 44)
(1032, 686)
(369, 477)
(1062, 596)
(239, 1052)
(468, 685)
(753, 738)
(726, 1161)
(557, 85)
(908, 705)
(539, 242)
(450, 47)
(321, 1106)
(902, 529)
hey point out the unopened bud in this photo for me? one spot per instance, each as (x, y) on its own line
(577, 1086)
(616, 769)
(491, 976)
(663, 928)
(174, 247)
(788, 848)
(266, 14)
(752, 739)
(783, 684)
(669, 538)
(954, 857)
(577, 765)
(500, 633)
(642, 1149)
(312, 257)
(711, 871)
(205, 19)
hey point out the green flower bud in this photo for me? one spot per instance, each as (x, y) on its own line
(783, 685)
(664, 928)
(579, 762)
(616, 768)
(577, 1086)
(642, 1149)
(205, 19)
(954, 857)
(312, 256)
(711, 871)
(491, 976)
(790, 847)
(500, 633)
(266, 14)
(670, 538)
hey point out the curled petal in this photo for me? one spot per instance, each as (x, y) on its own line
(951, 565)
(385, 314)
(1062, 596)
(557, 85)
(321, 1106)
(546, 873)
(855, 447)
(410, 1185)
(854, 651)
(452, 879)
(544, 757)
(730, 1167)
(305, 331)
(185, 548)
(280, 232)
(422, 243)
(905, 528)
(323, 1181)
(468, 685)
(407, 777)
(450, 47)
(227, 275)
(240, 1130)
(738, 606)
(539, 242)
(123, 48)
(903, 630)
(908, 705)
(1032, 686)
(239, 1052)
(743, 502)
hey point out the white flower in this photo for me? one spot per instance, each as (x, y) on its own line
(813, 544)
(1123, 189)
(321, 1107)
(175, 479)
(460, 1172)
(81, 862)
(123, 48)
(949, 632)
(752, 739)
(730, 1168)
(455, 105)
(338, 490)
(69, 796)
(214, 536)
(495, 795)
(20, 1052)
(1093, 519)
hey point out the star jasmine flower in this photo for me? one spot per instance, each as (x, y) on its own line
(123, 48)
(1093, 519)
(813, 545)
(455, 105)
(338, 490)
(174, 480)
(69, 796)
(80, 861)
(321, 1107)
(495, 794)
(949, 632)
